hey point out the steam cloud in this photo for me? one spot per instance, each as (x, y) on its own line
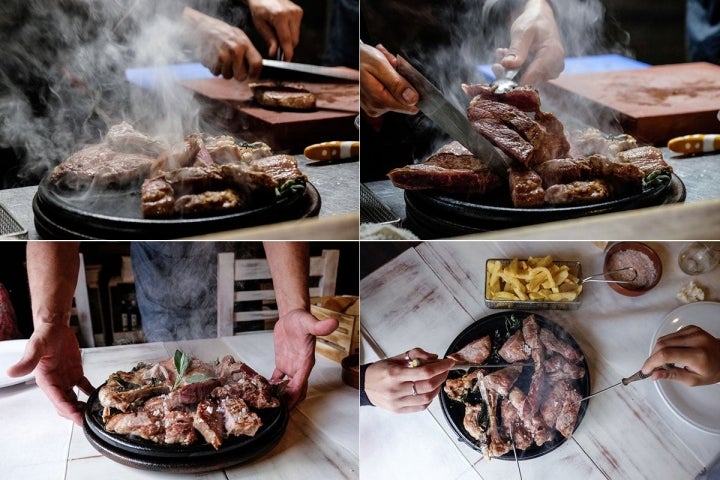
(62, 80)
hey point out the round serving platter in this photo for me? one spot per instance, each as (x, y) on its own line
(502, 325)
(117, 214)
(199, 457)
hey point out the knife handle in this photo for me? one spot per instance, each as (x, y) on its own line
(695, 143)
(332, 150)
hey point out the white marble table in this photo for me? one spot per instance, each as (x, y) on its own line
(430, 293)
(320, 440)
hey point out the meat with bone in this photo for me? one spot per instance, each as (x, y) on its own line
(526, 189)
(476, 351)
(578, 193)
(452, 168)
(525, 98)
(100, 166)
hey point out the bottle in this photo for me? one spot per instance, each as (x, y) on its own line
(134, 315)
(124, 316)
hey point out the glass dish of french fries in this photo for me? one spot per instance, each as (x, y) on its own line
(539, 283)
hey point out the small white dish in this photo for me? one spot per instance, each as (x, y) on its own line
(698, 406)
(10, 352)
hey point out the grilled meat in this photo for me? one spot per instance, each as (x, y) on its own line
(553, 344)
(100, 166)
(525, 98)
(526, 189)
(216, 401)
(208, 202)
(580, 192)
(515, 349)
(451, 169)
(592, 141)
(283, 96)
(281, 168)
(124, 138)
(476, 351)
(560, 408)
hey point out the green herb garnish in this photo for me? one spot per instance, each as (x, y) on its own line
(290, 186)
(655, 178)
(182, 362)
(197, 377)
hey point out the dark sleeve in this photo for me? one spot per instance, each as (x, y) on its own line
(364, 400)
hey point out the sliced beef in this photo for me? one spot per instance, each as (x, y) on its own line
(210, 423)
(281, 168)
(239, 419)
(501, 381)
(554, 344)
(225, 150)
(515, 349)
(209, 202)
(283, 96)
(476, 351)
(578, 193)
(512, 422)
(100, 166)
(178, 425)
(557, 368)
(124, 138)
(179, 155)
(528, 140)
(157, 198)
(525, 98)
(526, 189)
(141, 423)
(592, 141)
(567, 170)
(561, 407)
(647, 159)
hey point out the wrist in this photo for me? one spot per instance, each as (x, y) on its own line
(52, 317)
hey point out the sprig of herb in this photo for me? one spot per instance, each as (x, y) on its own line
(655, 178)
(182, 362)
(289, 187)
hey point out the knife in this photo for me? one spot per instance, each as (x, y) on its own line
(632, 378)
(332, 150)
(695, 143)
(452, 121)
(276, 68)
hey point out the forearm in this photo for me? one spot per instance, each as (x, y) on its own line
(289, 266)
(52, 276)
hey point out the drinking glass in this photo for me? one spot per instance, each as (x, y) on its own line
(699, 257)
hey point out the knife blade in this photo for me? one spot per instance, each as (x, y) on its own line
(275, 68)
(451, 120)
(695, 143)
(626, 381)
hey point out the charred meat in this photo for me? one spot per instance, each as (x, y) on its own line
(164, 405)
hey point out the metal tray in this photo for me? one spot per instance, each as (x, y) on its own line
(10, 228)
(573, 266)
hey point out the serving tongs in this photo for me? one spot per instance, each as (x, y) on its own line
(639, 375)
(592, 278)
(505, 83)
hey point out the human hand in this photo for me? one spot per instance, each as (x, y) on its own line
(54, 353)
(278, 21)
(382, 88)
(392, 385)
(694, 349)
(534, 43)
(294, 339)
(225, 50)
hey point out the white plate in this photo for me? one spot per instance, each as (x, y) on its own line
(10, 352)
(698, 406)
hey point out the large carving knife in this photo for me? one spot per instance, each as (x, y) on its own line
(452, 121)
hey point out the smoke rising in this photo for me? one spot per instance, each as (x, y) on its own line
(62, 80)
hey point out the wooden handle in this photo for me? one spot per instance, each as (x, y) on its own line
(332, 150)
(695, 143)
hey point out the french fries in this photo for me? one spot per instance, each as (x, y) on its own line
(534, 279)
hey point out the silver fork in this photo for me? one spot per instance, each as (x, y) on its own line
(505, 83)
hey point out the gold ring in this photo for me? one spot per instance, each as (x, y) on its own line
(414, 391)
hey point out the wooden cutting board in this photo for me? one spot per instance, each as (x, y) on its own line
(229, 104)
(653, 104)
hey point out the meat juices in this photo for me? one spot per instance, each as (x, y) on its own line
(150, 403)
(548, 408)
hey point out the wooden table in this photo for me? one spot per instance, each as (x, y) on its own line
(427, 295)
(320, 440)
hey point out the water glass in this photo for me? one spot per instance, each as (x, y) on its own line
(699, 257)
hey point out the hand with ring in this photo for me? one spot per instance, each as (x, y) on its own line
(407, 382)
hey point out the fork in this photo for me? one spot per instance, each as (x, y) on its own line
(505, 83)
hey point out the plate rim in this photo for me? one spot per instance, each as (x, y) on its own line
(660, 386)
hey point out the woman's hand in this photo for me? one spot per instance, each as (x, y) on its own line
(695, 351)
(382, 88)
(393, 385)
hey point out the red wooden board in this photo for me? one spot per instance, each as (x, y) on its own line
(653, 104)
(231, 103)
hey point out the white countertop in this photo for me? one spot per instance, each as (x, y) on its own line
(320, 440)
(430, 293)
